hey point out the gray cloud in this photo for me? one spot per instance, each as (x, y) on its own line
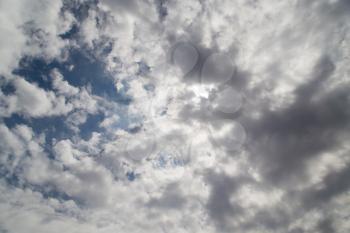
(326, 226)
(334, 184)
(171, 199)
(289, 62)
(284, 140)
(221, 208)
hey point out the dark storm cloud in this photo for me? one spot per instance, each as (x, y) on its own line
(269, 218)
(280, 145)
(334, 184)
(224, 209)
(326, 226)
(221, 208)
(282, 141)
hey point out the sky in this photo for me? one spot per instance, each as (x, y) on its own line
(174, 116)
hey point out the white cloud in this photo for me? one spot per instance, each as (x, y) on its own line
(61, 86)
(20, 19)
(30, 100)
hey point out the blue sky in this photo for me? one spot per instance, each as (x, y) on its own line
(174, 116)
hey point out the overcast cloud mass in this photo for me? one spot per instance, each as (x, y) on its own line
(174, 116)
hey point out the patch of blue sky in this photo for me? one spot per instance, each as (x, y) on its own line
(36, 70)
(7, 88)
(48, 190)
(92, 72)
(87, 72)
(132, 176)
(10, 178)
(53, 128)
(91, 125)
(72, 33)
(81, 69)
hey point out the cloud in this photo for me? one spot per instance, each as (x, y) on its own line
(174, 116)
(61, 86)
(307, 127)
(169, 199)
(30, 100)
(31, 28)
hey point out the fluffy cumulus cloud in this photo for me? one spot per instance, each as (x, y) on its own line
(174, 116)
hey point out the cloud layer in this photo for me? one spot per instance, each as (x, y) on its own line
(174, 116)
